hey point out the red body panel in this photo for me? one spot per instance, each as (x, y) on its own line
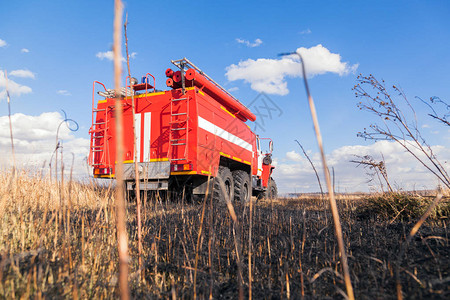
(211, 132)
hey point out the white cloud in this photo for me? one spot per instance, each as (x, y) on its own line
(3, 43)
(109, 55)
(63, 93)
(294, 172)
(294, 156)
(35, 128)
(35, 141)
(319, 60)
(233, 89)
(306, 31)
(24, 50)
(268, 75)
(256, 43)
(264, 75)
(14, 88)
(22, 74)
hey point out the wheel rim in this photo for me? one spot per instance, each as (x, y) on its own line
(228, 189)
(245, 190)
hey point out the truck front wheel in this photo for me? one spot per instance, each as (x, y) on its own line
(271, 192)
(223, 185)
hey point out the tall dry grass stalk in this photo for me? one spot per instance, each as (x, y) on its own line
(334, 209)
(313, 167)
(13, 177)
(10, 123)
(136, 166)
(122, 239)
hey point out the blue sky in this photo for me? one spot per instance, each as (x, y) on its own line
(403, 42)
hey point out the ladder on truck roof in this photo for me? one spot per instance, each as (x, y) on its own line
(99, 151)
(184, 62)
(179, 129)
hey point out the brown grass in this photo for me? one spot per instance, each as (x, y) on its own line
(69, 251)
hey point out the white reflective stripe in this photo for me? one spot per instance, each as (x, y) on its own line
(147, 131)
(260, 162)
(137, 125)
(214, 129)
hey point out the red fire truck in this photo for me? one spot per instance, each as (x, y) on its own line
(187, 137)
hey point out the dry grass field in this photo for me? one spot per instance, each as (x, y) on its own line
(60, 242)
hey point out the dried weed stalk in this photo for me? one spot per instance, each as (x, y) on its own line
(314, 168)
(379, 168)
(397, 124)
(122, 238)
(333, 205)
(136, 158)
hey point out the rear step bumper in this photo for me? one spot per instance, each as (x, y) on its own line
(148, 170)
(160, 185)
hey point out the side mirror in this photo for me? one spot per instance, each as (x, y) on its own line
(271, 146)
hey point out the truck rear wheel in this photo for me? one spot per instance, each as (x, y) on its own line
(271, 192)
(241, 186)
(223, 185)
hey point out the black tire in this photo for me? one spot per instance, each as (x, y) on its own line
(224, 179)
(242, 186)
(271, 192)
